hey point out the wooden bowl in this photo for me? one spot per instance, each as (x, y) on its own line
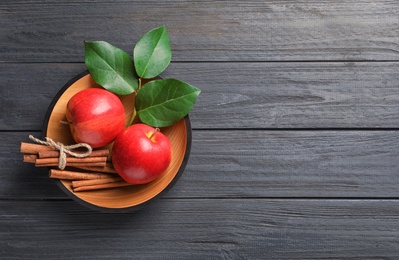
(121, 199)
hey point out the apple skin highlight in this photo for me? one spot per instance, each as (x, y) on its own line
(141, 154)
(96, 117)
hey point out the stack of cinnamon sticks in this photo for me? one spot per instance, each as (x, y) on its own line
(89, 173)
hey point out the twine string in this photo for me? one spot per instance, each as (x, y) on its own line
(64, 149)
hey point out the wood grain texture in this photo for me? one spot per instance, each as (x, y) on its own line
(290, 164)
(54, 31)
(203, 229)
(236, 95)
(295, 141)
(293, 95)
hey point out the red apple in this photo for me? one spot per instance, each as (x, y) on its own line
(141, 154)
(96, 116)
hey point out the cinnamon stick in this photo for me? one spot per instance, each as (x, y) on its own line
(56, 153)
(73, 164)
(108, 168)
(72, 175)
(80, 183)
(72, 160)
(103, 186)
(30, 158)
(34, 148)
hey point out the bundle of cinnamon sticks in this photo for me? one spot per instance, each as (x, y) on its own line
(89, 173)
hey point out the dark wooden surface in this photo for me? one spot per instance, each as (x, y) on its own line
(295, 135)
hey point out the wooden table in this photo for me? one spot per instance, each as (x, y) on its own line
(295, 134)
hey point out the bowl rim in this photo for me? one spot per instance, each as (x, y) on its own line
(125, 209)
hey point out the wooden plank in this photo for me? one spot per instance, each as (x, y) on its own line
(236, 95)
(315, 164)
(203, 228)
(292, 164)
(293, 95)
(204, 30)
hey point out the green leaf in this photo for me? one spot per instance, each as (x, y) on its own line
(163, 102)
(110, 67)
(152, 53)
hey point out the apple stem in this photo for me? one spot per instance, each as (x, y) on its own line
(139, 87)
(134, 114)
(155, 131)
